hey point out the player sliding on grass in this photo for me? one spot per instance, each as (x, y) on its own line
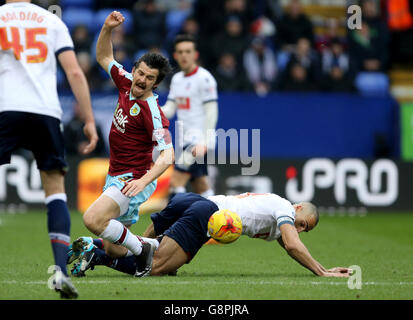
(138, 124)
(181, 230)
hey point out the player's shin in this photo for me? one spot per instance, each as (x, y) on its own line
(126, 264)
(117, 233)
(58, 224)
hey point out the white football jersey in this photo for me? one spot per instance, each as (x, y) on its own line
(190, 92)
(30, 39)
(261, 214)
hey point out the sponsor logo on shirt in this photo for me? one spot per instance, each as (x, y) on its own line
(120, 120)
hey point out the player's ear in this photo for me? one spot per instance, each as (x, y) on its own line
(196, 55)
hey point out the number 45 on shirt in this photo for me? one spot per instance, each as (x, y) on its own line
(31, 43)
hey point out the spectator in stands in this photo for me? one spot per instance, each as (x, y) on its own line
(116, 4)
(332, 33)
(81, 38)
(228, 76)
(212, 17)
(210, 24)
(149, 24)
(372, 18)
(122, 56)
(190, 26)
(337, 80)
(239, 9)
(293, 25)
(334, 55)
(298, 80)
(168, 5)
(400, 23)
(232, 40)
(368, 51)
(92, 75)
(260, 66)
(306, 57)
(75, 138)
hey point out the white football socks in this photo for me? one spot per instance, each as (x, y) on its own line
(117, 233)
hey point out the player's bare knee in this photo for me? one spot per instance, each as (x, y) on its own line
(93, 222)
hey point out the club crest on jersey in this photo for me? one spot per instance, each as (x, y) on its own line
(134, 111)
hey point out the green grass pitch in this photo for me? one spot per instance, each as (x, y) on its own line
(250, 269)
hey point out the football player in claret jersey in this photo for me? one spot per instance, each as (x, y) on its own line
(182, 228)
(31, 40)
(193, 96)
(138, 125)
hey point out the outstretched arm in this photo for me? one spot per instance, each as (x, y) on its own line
(291, 242)
(104, 50)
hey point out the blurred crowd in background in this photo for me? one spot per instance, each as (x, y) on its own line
(251, 45)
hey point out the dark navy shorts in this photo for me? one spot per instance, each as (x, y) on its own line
(196, 170)
(38, 133)
(185, 219)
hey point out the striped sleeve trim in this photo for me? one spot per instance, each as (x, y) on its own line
(119, 66)
(210, 100)
(63, 50)
(284, 219)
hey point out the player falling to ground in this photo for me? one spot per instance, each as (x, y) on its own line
(181, 230)
(31, 39)
(193, 96)
(138, 125)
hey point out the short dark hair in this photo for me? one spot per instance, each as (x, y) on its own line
(184, 38)
(155, 60)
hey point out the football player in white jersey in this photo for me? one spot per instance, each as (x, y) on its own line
(181, 229)
(31, 40)
(193, 96)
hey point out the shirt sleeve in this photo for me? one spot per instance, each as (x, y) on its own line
(157, 125)
(171, 95)
(285, 215)
(208, 88)
(63, 39)
(120, 77)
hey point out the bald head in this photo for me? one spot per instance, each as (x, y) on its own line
(307, 216)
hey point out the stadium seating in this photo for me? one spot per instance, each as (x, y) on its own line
(282, 59)
(174, 21)
(65, 4)
(79, 16)
(101, 16)
(372, 83)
